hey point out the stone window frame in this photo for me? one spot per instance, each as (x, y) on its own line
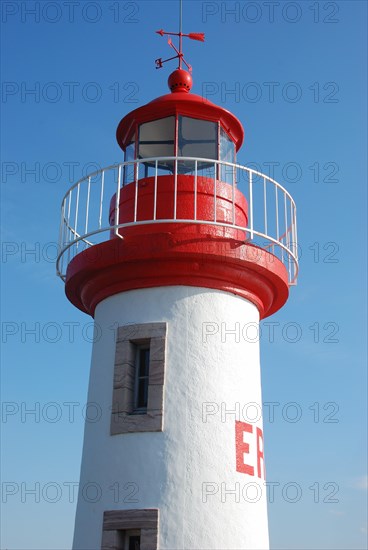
(123, 418)
(115, 521)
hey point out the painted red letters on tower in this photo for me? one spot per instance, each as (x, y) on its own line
(242, 447)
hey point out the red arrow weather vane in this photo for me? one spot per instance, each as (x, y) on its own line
(179, 54)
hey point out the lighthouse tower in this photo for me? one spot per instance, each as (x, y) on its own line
(177, 253)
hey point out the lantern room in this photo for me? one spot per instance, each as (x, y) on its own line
(180, 124)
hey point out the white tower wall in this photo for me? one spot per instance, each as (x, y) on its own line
(176, 469)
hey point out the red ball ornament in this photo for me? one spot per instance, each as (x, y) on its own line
(180, 81)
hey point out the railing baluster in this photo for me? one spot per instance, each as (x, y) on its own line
(101, 198)
(136, 168)
(286, 223)
(76, 216)
(195, 188)
(69, 237)
(63, 241)
(286, 230)
(87, 204)
(117, 204)
(136, 193)
(277, 213)
(233, 197)
(265, 205)
(175, 187)
(215, 193)
(66, 231)
(61, 229)
(291, 227)
(251, 203)
(293, 246)
(155, 194)
(295, 234)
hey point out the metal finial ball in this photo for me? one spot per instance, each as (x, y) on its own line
(180, 81)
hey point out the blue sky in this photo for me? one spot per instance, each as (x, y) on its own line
(312, 130)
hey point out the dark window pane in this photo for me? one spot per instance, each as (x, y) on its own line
(227, 147)
(156, 138)
(142, 395)
(227, 154)
(134, 542)
(142, 378)
(129, 151)
(129, 155)
(143, 362)
(197, 138)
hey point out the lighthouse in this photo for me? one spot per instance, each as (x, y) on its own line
(178, 252)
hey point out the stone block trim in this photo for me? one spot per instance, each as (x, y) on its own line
(123, 418)
(115, 522)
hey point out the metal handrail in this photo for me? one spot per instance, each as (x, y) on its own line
(71, 236)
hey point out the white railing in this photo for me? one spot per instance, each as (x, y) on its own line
(85, 206)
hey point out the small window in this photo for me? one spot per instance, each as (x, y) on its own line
(139, 372)
(130, 529)
(141, 378)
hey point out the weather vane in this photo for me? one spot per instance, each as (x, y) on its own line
(179, 52)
